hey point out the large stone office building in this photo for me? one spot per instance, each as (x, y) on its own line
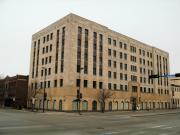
(75, 51)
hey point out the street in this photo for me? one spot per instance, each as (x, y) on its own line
(23, 122)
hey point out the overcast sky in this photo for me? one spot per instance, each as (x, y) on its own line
(155, 22)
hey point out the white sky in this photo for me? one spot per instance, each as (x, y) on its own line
(155, 22)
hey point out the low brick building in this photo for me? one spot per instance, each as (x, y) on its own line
(13, 91)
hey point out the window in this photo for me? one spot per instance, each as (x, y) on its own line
(125, 56)
(55, 83)
(46, 60)
(109, 52)
(77, 82)
(49, 59)
(94, 84)
(109, 63)
(126, 87)
(115, 75)
(114, 64)
(121, 55)
(42, 61)
(50, 47)
(114, 53)
(44, 39)
(109, 41)
(46, 49)
(85, 83)
(121, 66)
(49, 84)
(109, 86)
(51, 37)
(120, 44)
(109, 74)
(114, 42)
(125, 77)
(47, 37)
(125, 66)
(49, 71)
(61, 82)
(125, 46)
(43, 50)
(121, 76)
(115, 86)
(100, 85)
(121, 87)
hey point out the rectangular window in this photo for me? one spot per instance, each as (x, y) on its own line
(94, 84)
(109, 74)
(49, 84)
(109, 63)
(61, 82)
(77, 82)
(121, 76)
(109, 52)
(120, 44)
(49, 71)
(114, 64)
(100, 85)
(114, 42)
(55, 83)
(85, 83)
(51, 36)
(109, 86)
(115, 86)
(109, 41)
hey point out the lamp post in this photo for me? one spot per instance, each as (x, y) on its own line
(79, 94)
(44, 94)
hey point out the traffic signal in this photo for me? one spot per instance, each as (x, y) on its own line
(153, 76)
(177, 75)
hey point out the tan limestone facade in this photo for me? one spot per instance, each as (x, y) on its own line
(109, 60)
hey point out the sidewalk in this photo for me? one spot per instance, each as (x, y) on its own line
(125, 113)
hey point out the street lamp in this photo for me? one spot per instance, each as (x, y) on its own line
(44, 94)
(79, 94)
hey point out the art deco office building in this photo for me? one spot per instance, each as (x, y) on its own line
(75, 52)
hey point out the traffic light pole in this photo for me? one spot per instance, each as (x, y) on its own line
(44, 87)
(79, 95)
(167, 75)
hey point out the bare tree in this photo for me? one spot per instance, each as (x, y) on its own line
(33, 92)
(103, 95)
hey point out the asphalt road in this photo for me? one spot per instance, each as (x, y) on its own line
(15, 122)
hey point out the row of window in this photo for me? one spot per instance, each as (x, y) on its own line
(47, 84)
(115, 65)
(146, 90)
(48, 37)
(121, 56)
(113, 41)
(160, 91)
(47, 49)
(46, 60)
(121, 76)
(142, 52)
(114, 87)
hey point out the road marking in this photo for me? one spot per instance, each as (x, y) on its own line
(23, 127)
(138, 133)
(167, 127)
(110, 133)
(158, 126)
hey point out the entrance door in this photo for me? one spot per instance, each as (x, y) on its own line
(133, 100)
(94, 106)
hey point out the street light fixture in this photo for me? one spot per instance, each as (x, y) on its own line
(79, 94)
(44, 94)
